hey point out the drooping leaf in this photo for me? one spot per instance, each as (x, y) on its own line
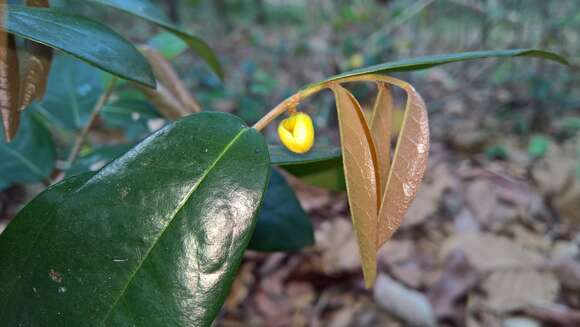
(381, 127)
(408, 165)
(151, 12)
(73, 90)
(80, 37)
(9, 82)
(36, 60)
(31, 156)
(154, 238)
(282, 223)
(362, 178)
(436, 60)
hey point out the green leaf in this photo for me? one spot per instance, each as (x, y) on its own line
(31, 156)
(280, 156)
(153, 239)
(151, 12)
(131, 115)
(168, 44)
(436, 60)
(282, 223)
(538, 146)
(73, 90)
(80, 37)
(328, 174)
(321, 167)
(98, 158)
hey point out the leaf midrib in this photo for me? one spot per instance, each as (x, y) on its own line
(31, 166)
(173, 215)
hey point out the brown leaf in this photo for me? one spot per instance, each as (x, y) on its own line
(381, 127)
(36, 61)
(167, 104)
(362, 177)
(166, 75)
(408, 166)
(9, 83)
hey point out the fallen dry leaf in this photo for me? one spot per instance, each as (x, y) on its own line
(489, 252)
(514, 289)
(335, 239)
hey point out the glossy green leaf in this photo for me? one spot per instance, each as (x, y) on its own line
(436, 60)
(80, 37)
(280, 156)
(153, 239)
(282, 223)
(31, 156)
(151, 12)
(73, 90)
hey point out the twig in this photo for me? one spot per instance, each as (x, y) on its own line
(81, 138)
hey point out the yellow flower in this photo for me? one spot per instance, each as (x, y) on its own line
(297, 132)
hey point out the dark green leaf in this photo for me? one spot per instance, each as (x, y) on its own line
(280, 156)
(131, 115)
(149, 11)
(73, 90)
(327, 174)
(431, 61)
(98, 158)
(153, 239)
(83, 38)
(282, 223)
(30, 157)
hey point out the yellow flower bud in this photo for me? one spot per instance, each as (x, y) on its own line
(297, 132)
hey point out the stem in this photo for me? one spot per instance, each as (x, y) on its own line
(315, 88)
(81, 138)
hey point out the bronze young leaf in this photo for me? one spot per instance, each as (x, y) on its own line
(408, 166)
(36, 61)
(9, 82)
(381, 129)
(362, 177)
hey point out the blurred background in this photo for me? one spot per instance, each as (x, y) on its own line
(493, 238)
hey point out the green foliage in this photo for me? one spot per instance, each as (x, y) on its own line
(30, 158)
(83, 38)
(73, 90)
(170, 218)
(149, 11)
(282, 223)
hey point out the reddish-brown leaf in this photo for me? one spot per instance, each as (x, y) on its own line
(9, 82)
(381, 130)
(36, 61)
(362, 178)
(408, 166)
